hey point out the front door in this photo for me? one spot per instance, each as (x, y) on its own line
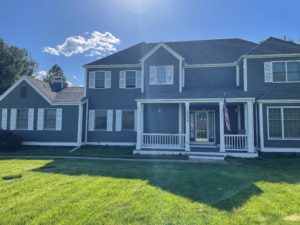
(202, 126)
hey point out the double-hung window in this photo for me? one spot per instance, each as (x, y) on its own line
(286, 71)
(130, 79)
(284, 123)
(22, 119)
(100, 119)
(100, 79)
(161, 75)
(49, 119)
(128, 119)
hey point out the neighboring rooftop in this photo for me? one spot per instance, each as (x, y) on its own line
(275, 46)
(69, 94)
(194, 52)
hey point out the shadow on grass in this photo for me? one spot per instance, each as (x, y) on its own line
(222, 186)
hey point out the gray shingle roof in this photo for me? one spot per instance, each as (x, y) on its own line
(69, 94)
(275, 46)
(194, 52)
(280, 95)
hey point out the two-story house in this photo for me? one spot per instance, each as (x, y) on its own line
(169, 98)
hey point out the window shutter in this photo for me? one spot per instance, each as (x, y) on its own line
(91, 120)
(170, 74)
(4, 119)
(40, 120)
(135, 120)
(118, 120)
(152, 74)
(268, 72)
(58, 119)
(138, 79)
(13, 119)
(92, 80)
(107, 79)
(122, 80)
(30, 118)
(109, 120)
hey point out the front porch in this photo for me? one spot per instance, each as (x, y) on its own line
(195, 126)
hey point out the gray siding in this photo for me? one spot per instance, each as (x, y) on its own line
(161, 118)
(255, 78)
(210, 77)
(34, 100)
(161, 58)
(112, 98)
(277, 143)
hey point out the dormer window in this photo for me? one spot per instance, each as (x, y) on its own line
(161, 75)
(282, 71)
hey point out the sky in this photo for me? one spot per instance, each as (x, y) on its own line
(71, 33)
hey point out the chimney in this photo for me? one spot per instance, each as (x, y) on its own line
(58, 83)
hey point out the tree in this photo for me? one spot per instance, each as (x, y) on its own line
(14, 63)
(55, 70)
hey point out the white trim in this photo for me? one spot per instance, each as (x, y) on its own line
(250, 125)
(180, 118)
(80, 120)
(242, 155)
(282, 150)
(49, 143)
(158, 46)
(210, 65)
(239, 116)
(85, 82)
(111, 66)
(283, 138)
(282, 101)
(86, 120)
(180, 76)
(153, 152)
(261, 126)
(139, 126)
(270, 56)
(111, 143)
(237, 74)
(196, 100)
(221, 125)
(245, 74)
(187, 126)
(4, 118)
(286, 71)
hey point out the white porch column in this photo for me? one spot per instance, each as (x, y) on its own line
(139, 126)
(250, 127)
(261, 127)
(187, 126)
(222, 137)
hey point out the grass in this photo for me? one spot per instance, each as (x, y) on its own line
(122, 192)
(89, 151)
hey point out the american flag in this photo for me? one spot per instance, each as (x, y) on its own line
(226, 114)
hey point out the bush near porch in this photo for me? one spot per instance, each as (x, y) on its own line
(117, 192)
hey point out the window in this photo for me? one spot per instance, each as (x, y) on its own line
(100, 119)
(161, 75)
(130, 79)
(284, 122)
(50, 119)
(22, 119)
(128, 120)
(100, 79)
(23, 92)
(288, 71)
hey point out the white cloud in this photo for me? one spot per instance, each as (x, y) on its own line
(97, 44)
(40, 75)
(74, 77)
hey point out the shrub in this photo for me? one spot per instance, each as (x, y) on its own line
(9, 141)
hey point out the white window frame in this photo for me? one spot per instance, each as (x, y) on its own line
(17, 119)
(104, 129)
(128, 110)
(126, 79)
(155, 80)
(106, 75)
(283, 138)
(286, 71)
(54, 129)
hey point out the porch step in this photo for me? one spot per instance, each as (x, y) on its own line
(195, 145)
(219, 157)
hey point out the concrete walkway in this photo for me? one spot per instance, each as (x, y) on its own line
(113, 159)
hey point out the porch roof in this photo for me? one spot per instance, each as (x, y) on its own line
(203, 92)
(281, 95)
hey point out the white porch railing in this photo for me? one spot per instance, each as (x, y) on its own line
(236, 142)
(163, 141)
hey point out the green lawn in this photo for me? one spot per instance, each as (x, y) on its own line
(122, 192)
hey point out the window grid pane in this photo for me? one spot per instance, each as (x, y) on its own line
(293, 71)
(291, 122)
(130, 79)
(279, 72)
(100, 119)
(128, 120)
(161, 75)
(275, 127)
(50, 119)
(22, 119)
(100, 80)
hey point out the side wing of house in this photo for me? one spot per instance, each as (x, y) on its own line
(26, 112)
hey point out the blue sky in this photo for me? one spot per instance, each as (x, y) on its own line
(89, 29)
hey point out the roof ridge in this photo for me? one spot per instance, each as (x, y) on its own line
(202, 40)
